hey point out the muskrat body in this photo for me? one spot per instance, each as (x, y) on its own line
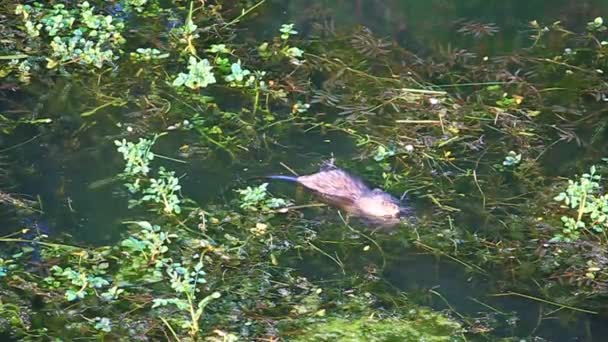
(338, 188)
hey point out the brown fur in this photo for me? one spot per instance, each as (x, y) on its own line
(334, 185)
(340, 189)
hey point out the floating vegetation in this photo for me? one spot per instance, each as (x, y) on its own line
(8, 199)
(78, 35)
(424, 327)
(199, 75)
(365, 42)
(477, 29)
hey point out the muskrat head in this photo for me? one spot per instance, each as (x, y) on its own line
(378, 203)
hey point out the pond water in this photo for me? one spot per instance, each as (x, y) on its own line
(69, 164)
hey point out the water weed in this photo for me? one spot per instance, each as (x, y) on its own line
(78, 35)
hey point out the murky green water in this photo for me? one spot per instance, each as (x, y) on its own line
(62, 162)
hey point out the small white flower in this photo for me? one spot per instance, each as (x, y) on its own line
(485, 58)
(129, 129)
(433, 101)
(568, 51)
(409, 147)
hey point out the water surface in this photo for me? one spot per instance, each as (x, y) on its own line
(63, 160)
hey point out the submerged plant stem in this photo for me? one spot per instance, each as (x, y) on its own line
(368, 238)
(336, 260)
(564, 306)
(437, 251)
(47, 244)
(170, 328)
(243, 14)
(116, 103)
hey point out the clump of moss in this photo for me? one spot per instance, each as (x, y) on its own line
(422, 326)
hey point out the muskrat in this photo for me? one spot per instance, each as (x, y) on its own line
(338, 188)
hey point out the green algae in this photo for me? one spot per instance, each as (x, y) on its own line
(424, 325)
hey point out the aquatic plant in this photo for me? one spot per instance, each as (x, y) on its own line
(184, 283)
(299, 107)
(82, 283)
(4, 267)
(257, 198)
(199, 75)
(591, 207)
(597, 25)
(287, 31)
(477, 29)
(142, 249)
(137, 156)
(512, 159)
(238, 75)
(282, 47)
(186, 33)
(103, 324)
(383, 153)
(221, 60)
(424, 327)
(290, 51)
(148, 54)
(137, 5)
(164, 190)
(74, 35)
(366, 43)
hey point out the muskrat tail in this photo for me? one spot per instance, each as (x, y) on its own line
(291, 179)
(281, 177)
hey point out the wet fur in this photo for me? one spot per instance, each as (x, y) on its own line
(338, 188)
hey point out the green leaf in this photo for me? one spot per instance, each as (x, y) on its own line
(144, 224)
